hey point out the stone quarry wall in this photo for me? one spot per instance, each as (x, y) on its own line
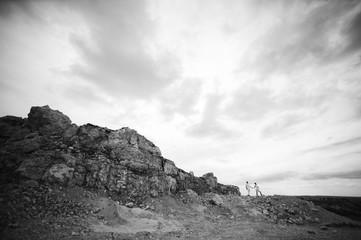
(48, 148)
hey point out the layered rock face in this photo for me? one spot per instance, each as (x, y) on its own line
(48, 148)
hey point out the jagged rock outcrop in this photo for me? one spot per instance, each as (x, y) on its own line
(48, 148)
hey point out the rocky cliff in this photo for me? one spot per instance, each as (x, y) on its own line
(48, 148)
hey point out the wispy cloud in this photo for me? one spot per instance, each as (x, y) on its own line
(348, 142)
(283, 123)
(356, 174)
(281, 176)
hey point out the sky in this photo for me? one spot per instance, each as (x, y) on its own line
(252, 90)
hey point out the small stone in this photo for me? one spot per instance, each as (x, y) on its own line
(153, 193)
(323, 228)
(13, 225)
(129, 205)
(96, 210)
(291, 211)
(311, 232)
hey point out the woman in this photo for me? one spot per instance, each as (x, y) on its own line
(257, 189)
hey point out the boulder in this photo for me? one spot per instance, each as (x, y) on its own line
(69, 159)
(210, 179)
(227, 189)
(213, 198)
(47, 121)
(20, 135)
(182, 175)
(172, 184)
(27, 145)
(170, 168)
(59, 173)
(9, 125)
(192, 193)
(71, 131)
(34, 166)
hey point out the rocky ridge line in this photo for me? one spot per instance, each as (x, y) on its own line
(48, 148)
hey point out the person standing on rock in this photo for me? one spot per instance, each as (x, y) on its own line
(248, 187)
(257, 190)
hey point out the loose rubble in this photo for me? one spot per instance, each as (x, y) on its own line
(282, 209)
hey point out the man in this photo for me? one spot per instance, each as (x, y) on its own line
(248, 187)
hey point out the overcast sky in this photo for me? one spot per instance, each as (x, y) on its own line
(264, 91)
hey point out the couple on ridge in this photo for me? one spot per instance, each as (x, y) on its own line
(248, 187)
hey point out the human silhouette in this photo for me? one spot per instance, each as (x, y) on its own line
(257, 189)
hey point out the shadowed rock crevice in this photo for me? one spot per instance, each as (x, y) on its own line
(48, 148)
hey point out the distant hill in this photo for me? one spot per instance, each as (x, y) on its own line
(345, 206)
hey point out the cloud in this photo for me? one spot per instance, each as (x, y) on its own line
(353, 31)
(301, 33)
(250, 102)
(181, 97)
(10, 7)
(282, 124)
(119, 59)
(340, 144)
(288, 175)
(210, 125)
(83, 94)
(355, 174)
(280, 176)
(270, 177)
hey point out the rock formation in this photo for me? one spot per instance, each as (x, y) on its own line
(48, 148)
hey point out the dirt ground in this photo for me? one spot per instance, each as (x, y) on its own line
(77, 213)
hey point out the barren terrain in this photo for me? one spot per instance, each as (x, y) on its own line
(32, 211)
(63, 181)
